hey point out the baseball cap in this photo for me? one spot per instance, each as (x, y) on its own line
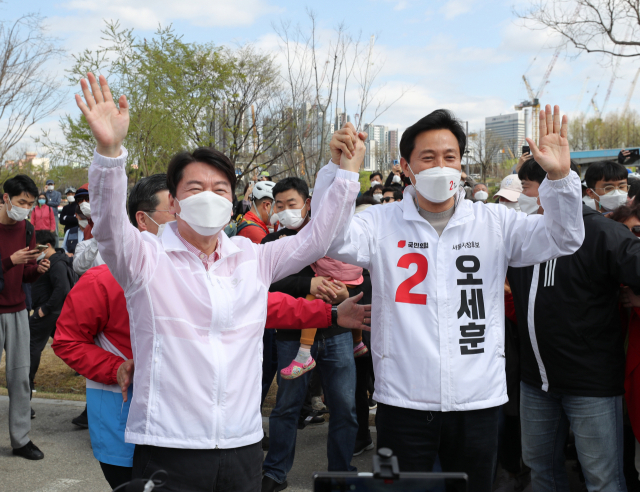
(510, 188)
(49, 181)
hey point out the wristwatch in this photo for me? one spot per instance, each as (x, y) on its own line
(334, 315)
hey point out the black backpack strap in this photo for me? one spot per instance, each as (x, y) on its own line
(29, 232)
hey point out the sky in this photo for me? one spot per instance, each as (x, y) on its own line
(465, 55)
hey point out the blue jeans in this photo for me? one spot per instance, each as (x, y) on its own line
(597, 425)
(269, 361)
(334, 357)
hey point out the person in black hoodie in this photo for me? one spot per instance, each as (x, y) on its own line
(572, 358)
(68, 215)
(49, 293)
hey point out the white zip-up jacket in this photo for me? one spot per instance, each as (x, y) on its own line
(196, 335)
(437, 334)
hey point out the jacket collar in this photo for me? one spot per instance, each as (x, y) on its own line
(463, 213)
(171, 242)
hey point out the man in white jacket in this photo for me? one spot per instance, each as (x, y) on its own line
(438, 264)
(197, 303)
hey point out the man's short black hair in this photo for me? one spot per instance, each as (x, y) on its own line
(47, 237)
(293, 183)
(377, 188)
(20, 184)
(143, 195)
(207, 155)
(375, 173)
(440, 119)
(605, 171)
(634, 187)
(532, 171)
(397, 193)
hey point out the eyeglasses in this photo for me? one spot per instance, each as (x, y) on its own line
(387, 199)
(636, 230)
(622, 187)
(157, 210)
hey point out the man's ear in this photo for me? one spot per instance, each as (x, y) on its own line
(591, 194)
(141, 220)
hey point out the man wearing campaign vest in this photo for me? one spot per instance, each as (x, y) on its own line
(438, 264)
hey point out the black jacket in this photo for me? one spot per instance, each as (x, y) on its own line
(578, 348)
(51, 289)
(298, 285)
(68, 216)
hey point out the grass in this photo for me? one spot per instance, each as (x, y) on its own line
(54, 377)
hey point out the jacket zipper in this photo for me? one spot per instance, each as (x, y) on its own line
(217, 437)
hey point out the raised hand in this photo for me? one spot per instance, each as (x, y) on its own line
(108, 123)
(344, 141)
(553, 154)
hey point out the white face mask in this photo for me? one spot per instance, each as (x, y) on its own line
(160, 226)
(40, 257)
(481, 196)
(613, 199)
(85, 208)
(589, 202)
(377, 197)
(528, 205)
(291, 218)
(17, 213)
(83, 223)
(50, 187)
(206, 212)
(396, 179)
(437, 184)
(374, 183)
(514, 205)
(71, 199)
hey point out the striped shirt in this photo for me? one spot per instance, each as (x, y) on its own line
(207, 261)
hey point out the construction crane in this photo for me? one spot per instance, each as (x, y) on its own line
(595, 107)
(631, 89)
(584, 87)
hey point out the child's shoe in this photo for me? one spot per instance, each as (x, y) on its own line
(295, 369)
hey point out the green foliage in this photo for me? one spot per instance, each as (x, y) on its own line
(170, 86)
(365, 182)
(613, 132)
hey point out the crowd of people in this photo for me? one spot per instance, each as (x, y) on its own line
(487, 335)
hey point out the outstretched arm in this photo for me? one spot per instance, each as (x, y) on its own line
(289, 255)
(120, 244)
(560, 231)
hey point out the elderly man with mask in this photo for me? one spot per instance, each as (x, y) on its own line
(480, 193)
(438, 264)
(198, 303)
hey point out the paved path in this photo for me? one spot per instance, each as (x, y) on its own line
(69, 465)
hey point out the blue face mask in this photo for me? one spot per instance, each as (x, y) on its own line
(41, 201)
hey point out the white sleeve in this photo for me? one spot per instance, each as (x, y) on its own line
(290, 255)
(355, 242)
(85, 255)
(64, 241)
(129, 258)
(533, 239)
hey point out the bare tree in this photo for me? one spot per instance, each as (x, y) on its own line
(483, 150)
(610, 27)
(317, 76)
(28, 91)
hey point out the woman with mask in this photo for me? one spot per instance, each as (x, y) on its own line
(42, 216)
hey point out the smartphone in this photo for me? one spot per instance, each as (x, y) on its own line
(42, 247)
(526, 149)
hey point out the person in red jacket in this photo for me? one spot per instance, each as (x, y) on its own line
(42, 216)
(92, 335)
(254, 225)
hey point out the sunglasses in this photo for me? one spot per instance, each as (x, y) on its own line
(636, 230)
(387, 199)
